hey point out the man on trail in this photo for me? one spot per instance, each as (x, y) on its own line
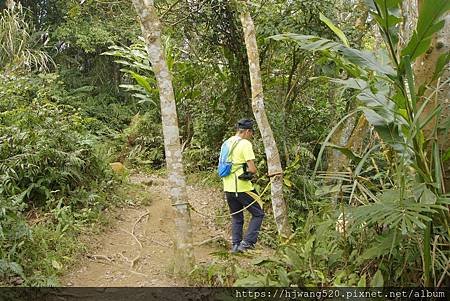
(237, 185)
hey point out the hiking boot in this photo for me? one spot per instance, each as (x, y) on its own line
(235, 249)
(245, 246)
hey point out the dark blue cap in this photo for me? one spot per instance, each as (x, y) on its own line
(245, 124)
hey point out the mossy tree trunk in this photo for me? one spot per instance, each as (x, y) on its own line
(151, 29)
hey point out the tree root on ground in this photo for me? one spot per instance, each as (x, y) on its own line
(138, 220)
(212, 239)
(99, 256)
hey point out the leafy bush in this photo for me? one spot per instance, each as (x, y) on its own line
(52, 179)
(20, 44)
(143, 142)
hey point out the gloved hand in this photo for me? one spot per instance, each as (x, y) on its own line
(246, 176)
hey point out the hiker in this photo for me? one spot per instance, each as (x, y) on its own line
(239, 151)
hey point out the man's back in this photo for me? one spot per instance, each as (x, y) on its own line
(242, 152)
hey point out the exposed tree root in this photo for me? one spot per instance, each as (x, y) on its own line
(96, 256)
(139, 219)
(206, 241)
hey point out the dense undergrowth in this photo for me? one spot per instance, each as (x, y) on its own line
(54, 179)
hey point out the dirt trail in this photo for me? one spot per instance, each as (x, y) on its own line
(138, 248)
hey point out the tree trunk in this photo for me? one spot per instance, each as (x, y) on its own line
(356, 141)
(10, 4)
(424, 68)
(151, 29)
(352, 137)
(409, 13)
(273, 157)
(337, 160)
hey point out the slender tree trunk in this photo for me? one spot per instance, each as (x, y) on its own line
(273, 157)
(151, 29)
(10, 4)
(337, 160)
(410, 14)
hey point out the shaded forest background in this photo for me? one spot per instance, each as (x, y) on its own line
(77, 93)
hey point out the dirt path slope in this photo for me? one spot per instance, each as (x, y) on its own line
(138, 248)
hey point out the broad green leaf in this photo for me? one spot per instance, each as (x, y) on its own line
(143, 98)
(392, 136)
(6, 266)
(370, 4)
(263, 260)
(283, 277)
(442, 61)
(142, 81)
(390, 195)
(387, 14)
(346, 151)
(374, 252)
(376, 100)
(428, 197)
(287, 182)
(142, 66)
(352, 83)
(377, 280)
(360, 58)
(336, 30)
(250, 281)
(428, 23)
(338, 280)
(362, 281)
(375, 118)
(382, 246)
(446, 156)
(324, 190)
(293, 259)
(82, 89)
(366, 59)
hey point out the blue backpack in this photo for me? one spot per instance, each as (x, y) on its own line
(225, 163)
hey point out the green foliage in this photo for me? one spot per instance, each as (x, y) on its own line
(219, 273)
(197, 131)
(20, 45)
(396, 214)
(336, 30)
(358, 227)
(52, 175)
(91, 26)
(135, 63)
(144, 144)
(357, 58)
(429, 22)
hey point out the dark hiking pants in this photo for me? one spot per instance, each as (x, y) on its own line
(236, 203)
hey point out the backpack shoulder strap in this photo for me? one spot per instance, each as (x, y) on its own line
(234, 146)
